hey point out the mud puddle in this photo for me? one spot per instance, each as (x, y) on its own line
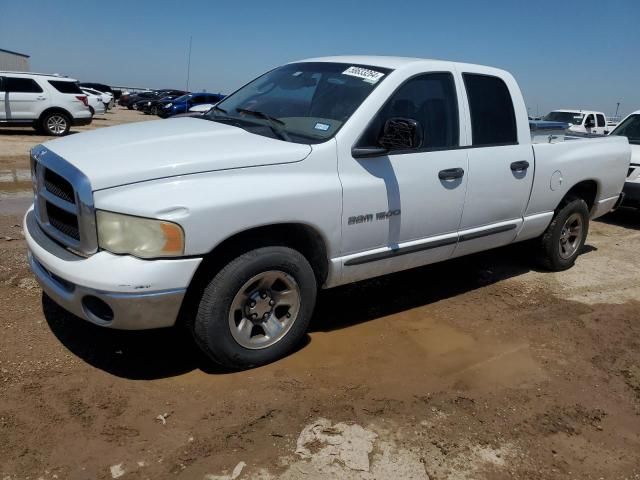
(15, 180)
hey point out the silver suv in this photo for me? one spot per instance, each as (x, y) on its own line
(50, 103)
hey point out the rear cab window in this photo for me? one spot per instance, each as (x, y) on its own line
(493, 119)
(66, 87)
(601, 121)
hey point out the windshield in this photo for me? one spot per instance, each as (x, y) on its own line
(301, 102)
(575, 118)
(629, 128)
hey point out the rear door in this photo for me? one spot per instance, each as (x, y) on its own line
(25, 98)
(501, 164)
(601, 124)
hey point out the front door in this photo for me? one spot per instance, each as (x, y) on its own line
(590, 124)
(25, 98)
(402, 208)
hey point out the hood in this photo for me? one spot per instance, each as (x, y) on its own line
(137, 152)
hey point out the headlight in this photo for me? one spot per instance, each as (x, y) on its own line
(168, 105)
(137, 236)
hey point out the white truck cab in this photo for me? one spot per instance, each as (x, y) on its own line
(316, 174)
(586, 122)
(630, 128)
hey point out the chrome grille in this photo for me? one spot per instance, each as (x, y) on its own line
(57, 185)
(64, 221)
(63, 201)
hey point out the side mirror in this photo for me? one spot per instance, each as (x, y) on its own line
(401, 134)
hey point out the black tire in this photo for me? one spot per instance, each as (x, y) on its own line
(56, 124)
(212, 328)
(130, 107)
(154, 110)
(93, 112)
(551, 255)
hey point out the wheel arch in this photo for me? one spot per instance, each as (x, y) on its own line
(55, 110)
(302, 237)
(586, 189)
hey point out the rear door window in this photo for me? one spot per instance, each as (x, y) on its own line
(22, 85)
(493, 120)
(65, 87)
(601, 121)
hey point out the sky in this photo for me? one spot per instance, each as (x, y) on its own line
(564, 54)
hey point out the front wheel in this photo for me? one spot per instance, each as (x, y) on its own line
(565, 236)
(257, 308)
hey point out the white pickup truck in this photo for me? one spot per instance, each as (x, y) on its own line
(316, 174)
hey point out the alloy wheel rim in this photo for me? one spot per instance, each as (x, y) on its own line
(570, 236)
(264, 309)
(56, 124)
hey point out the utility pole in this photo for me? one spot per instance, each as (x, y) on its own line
(189, 63)
(617, 107)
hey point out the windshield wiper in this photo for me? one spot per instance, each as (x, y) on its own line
(218, 109)
(275, 123)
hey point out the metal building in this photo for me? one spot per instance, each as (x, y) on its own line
(13, 61)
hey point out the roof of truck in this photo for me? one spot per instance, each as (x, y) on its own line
(575, 110)
(389, 62)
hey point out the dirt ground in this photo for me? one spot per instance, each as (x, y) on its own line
(477, 368)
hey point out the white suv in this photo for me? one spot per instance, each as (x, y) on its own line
(49, 103)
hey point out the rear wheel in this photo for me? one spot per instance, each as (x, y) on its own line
(56, 124)
(565, 236)
(257, 308)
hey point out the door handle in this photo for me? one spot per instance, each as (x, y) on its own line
(41, 98)
(450, 174)
(519, 166)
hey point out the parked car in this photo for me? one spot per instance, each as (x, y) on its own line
(136, 101)
(151, 106)
(184, 103)
(96, 106)
(584, 122)
(106, 97)
(202, 108)
(50, 103)
(630, 128)
(131, 99)
(317, 174)
(101, 87)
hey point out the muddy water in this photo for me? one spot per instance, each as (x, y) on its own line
(15, 191)
(15, 180)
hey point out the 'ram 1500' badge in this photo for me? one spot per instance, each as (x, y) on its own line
(370, 217)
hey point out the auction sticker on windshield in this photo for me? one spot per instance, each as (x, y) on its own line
(370, 76)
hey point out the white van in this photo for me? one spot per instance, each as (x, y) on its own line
(581, 121)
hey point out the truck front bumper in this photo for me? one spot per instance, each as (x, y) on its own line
(116, 291)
